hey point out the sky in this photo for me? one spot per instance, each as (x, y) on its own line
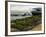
(22, 8)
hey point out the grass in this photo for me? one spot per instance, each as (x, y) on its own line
(26, 23)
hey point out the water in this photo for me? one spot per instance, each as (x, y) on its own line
(27, 14)
(18, 17)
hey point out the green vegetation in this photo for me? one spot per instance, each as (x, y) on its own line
(26, 23)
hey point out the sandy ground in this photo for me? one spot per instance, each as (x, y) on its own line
(37, 28)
